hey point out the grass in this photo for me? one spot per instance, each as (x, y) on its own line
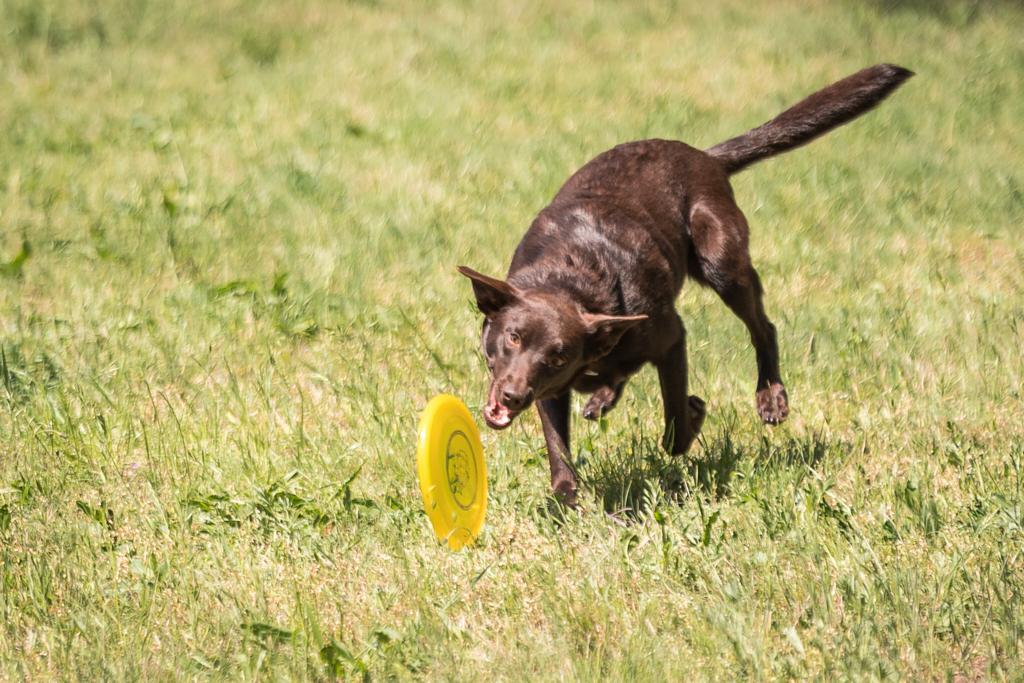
(228, 238)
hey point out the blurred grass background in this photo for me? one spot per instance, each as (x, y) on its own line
(228, 233)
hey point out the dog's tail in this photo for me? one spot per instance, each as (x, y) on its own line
(816, 115)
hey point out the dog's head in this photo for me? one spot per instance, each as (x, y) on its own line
(536, 343)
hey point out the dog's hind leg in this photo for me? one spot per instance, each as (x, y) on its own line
(718, 231)
(684, 414)
(554, 419)
(745, 300)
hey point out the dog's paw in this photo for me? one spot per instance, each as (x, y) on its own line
(565, 492)
(772, 404)
(677, 444)
(698, 411)
(601, 401)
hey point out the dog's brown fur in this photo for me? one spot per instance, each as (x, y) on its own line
(590, 295)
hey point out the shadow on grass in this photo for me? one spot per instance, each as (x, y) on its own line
(629, 481)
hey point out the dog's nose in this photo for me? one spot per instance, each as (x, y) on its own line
(515, 400)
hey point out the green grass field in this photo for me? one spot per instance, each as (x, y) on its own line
(228, 239)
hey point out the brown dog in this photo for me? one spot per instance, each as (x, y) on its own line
(590, 295)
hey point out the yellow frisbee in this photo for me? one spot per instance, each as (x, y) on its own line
(453, 477)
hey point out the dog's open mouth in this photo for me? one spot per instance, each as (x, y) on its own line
(498, 416)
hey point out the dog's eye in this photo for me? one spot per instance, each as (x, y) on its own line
(556, 360)
(513, 338)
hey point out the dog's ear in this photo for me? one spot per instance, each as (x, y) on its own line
(492, 294)
(605, 331)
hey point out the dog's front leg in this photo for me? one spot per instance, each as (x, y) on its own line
(554, 417)
(684, 414)
(602, 401)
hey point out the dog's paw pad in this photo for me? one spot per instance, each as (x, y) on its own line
(772, 404)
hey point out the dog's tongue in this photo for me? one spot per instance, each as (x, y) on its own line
(497, 414)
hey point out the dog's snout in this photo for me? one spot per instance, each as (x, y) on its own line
(516, 399)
